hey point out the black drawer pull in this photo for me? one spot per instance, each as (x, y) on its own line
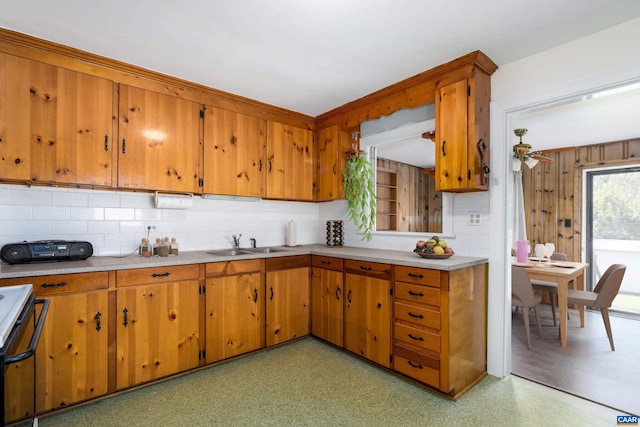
(416, 294)
(415, 365)
(53, 285)
(417, 316)
(98, 318)
(167, 274)
(126, 317)
(415, 338)
(415, 276)
(362, 267)
(325, 262)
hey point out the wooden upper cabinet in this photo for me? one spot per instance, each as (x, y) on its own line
(56, 125)
(462, 134)
(234, 153)
(290, 162)
(333, 146)
(158, 141)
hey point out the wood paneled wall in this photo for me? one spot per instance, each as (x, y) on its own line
(553, 192)
(419, 206)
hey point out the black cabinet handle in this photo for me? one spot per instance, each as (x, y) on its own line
(106, 143)
(167, 274)
(444, 153)
(126, 317)
(417, 316)
(415, 365)
(124, 146)
(349, 296)
(416, 294)
(255, 295)
(260, 165)
(338, 293)
(271, 289)
(415, 338)
(53, 285)
(98, 318)
(270, 165)
(415, 276)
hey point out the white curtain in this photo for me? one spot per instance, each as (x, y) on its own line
(519, 223)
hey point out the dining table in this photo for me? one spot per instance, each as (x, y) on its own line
(562, 273)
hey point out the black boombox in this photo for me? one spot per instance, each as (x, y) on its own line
(45, 250)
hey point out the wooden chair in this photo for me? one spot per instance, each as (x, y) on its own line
(602, 295)
(551, 287)
(522, 296)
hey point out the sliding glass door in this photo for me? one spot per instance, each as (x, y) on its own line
(613, 230)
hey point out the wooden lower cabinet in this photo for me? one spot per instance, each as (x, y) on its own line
(72, 354)
(439, 327)
(158, 323)
(367, 316)
(234, 309)
(327, 296)
(287, 298)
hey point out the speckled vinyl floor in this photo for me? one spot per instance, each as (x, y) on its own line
(309, 383)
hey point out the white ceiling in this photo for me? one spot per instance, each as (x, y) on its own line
(309, 56)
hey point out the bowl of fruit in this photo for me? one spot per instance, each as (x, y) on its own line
(433, 248)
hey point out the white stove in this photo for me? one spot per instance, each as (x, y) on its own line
(12, 301)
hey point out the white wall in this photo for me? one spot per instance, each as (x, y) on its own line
(114, 221)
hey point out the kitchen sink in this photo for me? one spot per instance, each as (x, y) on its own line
(231, 252)
(267, 250)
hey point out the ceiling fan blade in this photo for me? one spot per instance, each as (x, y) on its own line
(559, 150)
(542, 159)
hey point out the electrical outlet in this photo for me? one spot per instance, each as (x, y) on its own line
(474, 218)
(149, 227)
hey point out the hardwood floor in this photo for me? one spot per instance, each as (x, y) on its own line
(587, 367)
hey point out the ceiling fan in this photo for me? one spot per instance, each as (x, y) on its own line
(524, 153)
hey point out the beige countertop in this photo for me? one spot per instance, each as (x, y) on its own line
(106, 263)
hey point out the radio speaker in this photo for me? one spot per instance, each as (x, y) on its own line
(80, 250)
(15, 253)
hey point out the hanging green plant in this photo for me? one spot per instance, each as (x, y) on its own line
(359, 190)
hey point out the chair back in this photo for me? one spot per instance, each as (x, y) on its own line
(559, 256)
(609, 285)
(521, 288)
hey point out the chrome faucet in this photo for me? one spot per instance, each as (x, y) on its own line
(236, 241)
(253, 242)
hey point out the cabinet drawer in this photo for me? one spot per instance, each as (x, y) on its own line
(229, 268)
(417, 293)
(418, 315)
(417, 337)
(422, 367)
(365, 268)
(326, 262)
(62, 283)
(145, 276)
(418, 276)
(287, 262)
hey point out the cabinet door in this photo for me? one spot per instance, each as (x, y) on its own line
(234, 153)
(451, 134)
(72, 354)
(159, 143)
(235, 315)
(56, 125)
(368, 318)
(287, 293)
(157, 331)
(290, 162)
(326, 305)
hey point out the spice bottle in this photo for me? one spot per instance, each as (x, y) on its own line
(156, 246)
(163, 247)
(145, 248)
(173, 248)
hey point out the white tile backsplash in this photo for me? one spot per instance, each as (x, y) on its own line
(115, 221)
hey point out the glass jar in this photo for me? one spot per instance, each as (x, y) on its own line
(173, 247)
(146, 250)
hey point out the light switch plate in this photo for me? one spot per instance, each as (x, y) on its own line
(474, 218)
